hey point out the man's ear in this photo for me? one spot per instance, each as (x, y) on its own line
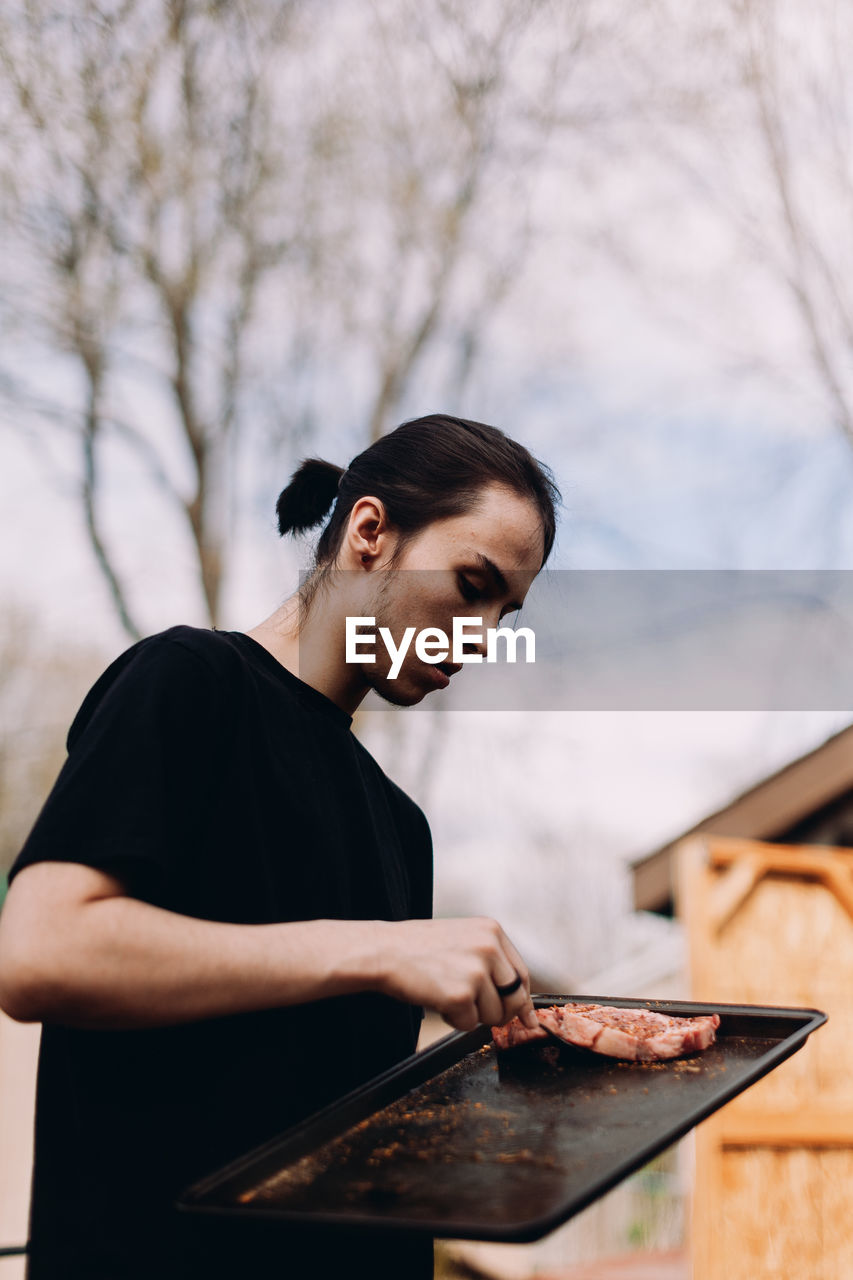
(367, 541)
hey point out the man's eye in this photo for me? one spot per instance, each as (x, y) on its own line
(468, 590)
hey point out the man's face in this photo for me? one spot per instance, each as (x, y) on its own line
(478, 565)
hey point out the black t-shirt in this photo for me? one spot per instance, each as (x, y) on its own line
(214, 783)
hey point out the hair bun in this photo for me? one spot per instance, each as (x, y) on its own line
(308, 497)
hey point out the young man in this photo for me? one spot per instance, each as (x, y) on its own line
(222, 913)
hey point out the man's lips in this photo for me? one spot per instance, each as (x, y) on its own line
(441, 673)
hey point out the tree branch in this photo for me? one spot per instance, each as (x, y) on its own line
(761, 79)
(94, 370)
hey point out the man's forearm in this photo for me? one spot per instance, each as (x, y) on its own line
(123, 963)
(76, 949)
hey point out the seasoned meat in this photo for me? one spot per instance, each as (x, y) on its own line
(636, 1034)
(515, 1033)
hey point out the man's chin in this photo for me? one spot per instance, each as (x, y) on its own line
(399, 693)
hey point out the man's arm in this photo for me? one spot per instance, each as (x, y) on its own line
(75, 949)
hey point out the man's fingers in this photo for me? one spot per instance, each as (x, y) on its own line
(480, 978)
(508, 968)
(462, 1013)
(490, 1006)
(462, 1021)
(525, 1011)
(519, 1004)
(516, 960)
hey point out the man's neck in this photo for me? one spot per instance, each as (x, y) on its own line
(314, 652)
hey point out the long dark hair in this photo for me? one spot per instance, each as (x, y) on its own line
(425, 470)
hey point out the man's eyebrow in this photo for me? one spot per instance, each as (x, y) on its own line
(498, 580)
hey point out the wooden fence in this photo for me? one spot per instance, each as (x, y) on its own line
(773, 924)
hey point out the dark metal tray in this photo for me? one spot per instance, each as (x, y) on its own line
(460, 1141)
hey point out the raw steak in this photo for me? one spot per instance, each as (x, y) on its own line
(515, 1033)
(638, 1034)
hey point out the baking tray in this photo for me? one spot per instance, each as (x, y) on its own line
(462, 1142)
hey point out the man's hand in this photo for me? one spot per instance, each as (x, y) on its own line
(455, 967)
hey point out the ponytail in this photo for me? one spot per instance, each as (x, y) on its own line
(309, 496)
(428, 469)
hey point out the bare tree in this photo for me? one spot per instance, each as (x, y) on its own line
(436, 129)
(139, 177)
(453, 146)
(736, 149)
(795, 76)
(229, 218)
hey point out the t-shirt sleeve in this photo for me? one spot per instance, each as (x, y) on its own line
(144, 754)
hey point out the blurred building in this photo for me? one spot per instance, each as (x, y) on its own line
(809, 801)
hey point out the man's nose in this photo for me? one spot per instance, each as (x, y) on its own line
(491, 620)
